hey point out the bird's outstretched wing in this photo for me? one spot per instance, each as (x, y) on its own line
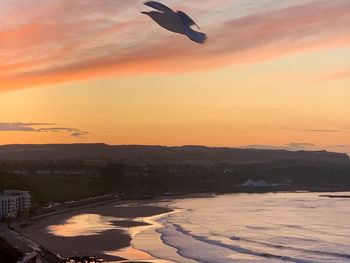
(158, 6)
(188, 21)
(195, 36)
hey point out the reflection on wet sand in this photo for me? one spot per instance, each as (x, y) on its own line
(104, 231)
(95, 224)
(134, 254)
(83, 225)
(131, 254)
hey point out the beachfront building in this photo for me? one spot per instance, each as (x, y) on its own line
(23, 204)
(8, 206)
(14, 203)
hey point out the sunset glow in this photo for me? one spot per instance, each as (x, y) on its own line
(272, 74)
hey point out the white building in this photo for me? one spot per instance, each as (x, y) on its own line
(259, 183)
(8, 206)
(13, 203)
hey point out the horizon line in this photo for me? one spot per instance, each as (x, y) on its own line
(244, 147)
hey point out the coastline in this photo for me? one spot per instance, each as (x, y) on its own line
(132, 217)
(121, 222)
(104, 231)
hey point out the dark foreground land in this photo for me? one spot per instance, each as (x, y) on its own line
(8, 254)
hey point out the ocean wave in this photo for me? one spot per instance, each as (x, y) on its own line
(316, 231)
(279, 246)
(226, 233)
(238, 249)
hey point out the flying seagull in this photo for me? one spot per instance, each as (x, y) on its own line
(177, 22)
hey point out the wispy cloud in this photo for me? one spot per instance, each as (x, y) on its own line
(300, 146)
(340, 74)
(293, 146)
(58, 41)
(339, 146)
(311, 130)
(297, 146)
(38, 127)
(21, 126)
(263, 147)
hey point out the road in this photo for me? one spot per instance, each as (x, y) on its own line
(26, 245)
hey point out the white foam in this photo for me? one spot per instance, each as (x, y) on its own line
(253, 228)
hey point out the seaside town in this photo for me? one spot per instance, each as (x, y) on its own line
(15, 208)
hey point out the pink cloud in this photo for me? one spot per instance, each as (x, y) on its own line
(100, 40)
(340, 74)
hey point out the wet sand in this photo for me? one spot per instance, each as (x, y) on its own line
(96, 231)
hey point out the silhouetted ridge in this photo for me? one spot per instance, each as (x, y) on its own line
(188, 153)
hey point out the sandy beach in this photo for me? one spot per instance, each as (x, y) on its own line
(104, 231)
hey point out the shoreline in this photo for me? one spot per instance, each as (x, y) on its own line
(124, 217)
(188, 194)
(99, 230)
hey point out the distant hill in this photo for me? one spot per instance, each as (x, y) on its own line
(162, 154)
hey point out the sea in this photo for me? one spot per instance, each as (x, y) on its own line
(272, 227)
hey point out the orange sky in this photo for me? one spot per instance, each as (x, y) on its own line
(99, 71)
